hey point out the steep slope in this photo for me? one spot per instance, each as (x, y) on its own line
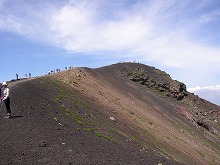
(54, 123)
(152, 111)
(126, 113)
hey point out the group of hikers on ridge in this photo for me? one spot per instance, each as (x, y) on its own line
(4, 95)
(5, 98)
(25, 76)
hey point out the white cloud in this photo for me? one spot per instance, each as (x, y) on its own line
(79, 29)
(10, 23)
(210, 93)
(160, 31)
(144, 33)
(198, 88)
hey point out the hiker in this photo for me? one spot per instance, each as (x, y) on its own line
(0, 90)
(6, 99)
(0, 94)
(17, 76)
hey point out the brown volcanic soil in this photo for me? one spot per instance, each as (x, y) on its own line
(41, 133)
(65, 119)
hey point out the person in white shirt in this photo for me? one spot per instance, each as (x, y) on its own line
(6, 99)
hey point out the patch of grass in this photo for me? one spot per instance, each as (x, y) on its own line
(60, 97)
(67, 112)
(211, 162)
(62, 106)
(89, 129)
(76, 102)
(57, 83)
(137, 140)
(75, 114)
(200, 153)
(79, 119)
(103, 136)
(86, 106)
(129, 137)
(90, 115)
(58, 100)
(111, 130)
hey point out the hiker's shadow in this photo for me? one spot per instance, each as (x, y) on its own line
(12, 117)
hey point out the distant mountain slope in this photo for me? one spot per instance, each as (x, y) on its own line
(125, 113)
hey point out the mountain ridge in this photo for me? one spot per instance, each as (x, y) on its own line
(130, 104)
(112, 72)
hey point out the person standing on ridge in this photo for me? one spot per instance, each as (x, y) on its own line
(0, 94)
(16, 76)
(0, 90)
(6, 99)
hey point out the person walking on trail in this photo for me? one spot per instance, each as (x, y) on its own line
(6, 99)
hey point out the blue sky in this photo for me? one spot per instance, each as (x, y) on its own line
(180, 37)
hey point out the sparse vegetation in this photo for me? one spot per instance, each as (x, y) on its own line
(76, 102)
(200, 153)
(89, 129)
(103, 136)
(67, 112)
(86, 105)
(84, 111)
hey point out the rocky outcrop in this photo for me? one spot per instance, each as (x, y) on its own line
(160, 81)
